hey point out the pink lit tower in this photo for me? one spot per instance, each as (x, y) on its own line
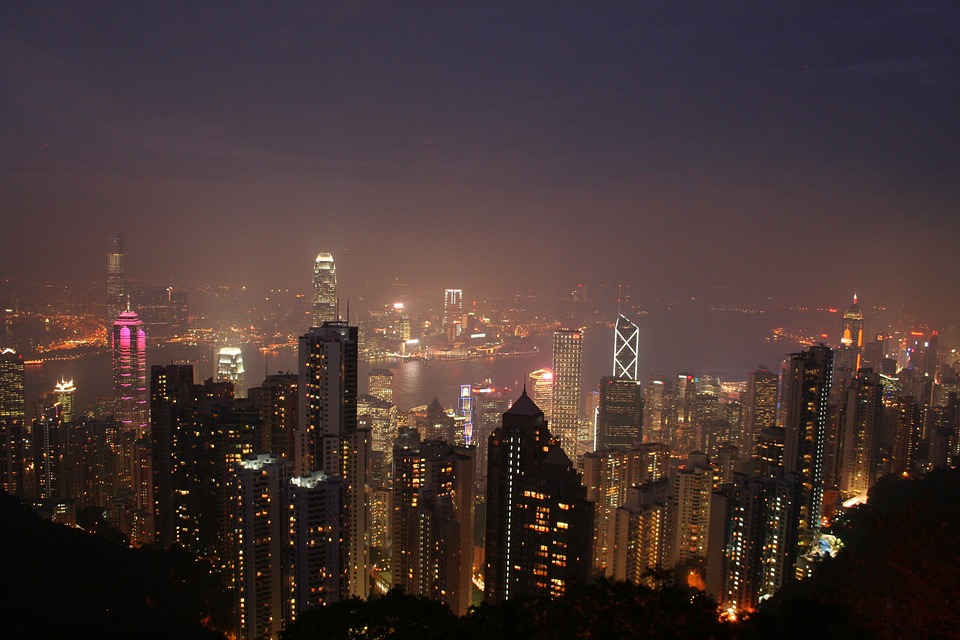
(134, 506)
(130, 373)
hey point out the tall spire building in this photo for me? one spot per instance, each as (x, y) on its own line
(324, 290)
(116, 278)
(128, 345)
(620, 416)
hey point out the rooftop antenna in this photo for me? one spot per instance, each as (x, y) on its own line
(619, 298)
(348, 310)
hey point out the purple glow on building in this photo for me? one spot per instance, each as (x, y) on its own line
(130, 372)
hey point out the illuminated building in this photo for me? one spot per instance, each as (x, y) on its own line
(329, 439)
(260, 517)
(380, 384)
(11, 385)
(317, 560)
(807, 382)
(12, 409)
(541, 381)
(851, 333)
(640, 533)
(199, 433)
(383, 423)
(230, 368)
(859, 430)
(324, 290)
(116, 278)
(277, 401)
(607, 475)
(658, 408)
(768, 450)
(906, 454)
(689, 512)
(453, 313)
(565, 415)
(538, 521)
(626, 349)
(465, 411)
(128, 345)
(753, 541)
(620, 415)
(759, 406)
(65, 392)
(432, 523)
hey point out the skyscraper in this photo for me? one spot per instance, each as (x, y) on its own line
(567, 352)
(538, 523)
(260, 566)
(65, 391)
(329, 439)
(760, 407)
(452, 312)
(12, 410)
(11, 385)
(859, 430)
(129, 344)
(626, 349)
(324, 290)
(116, 278)
(230, 368)
(620, 415)
(807, 380)
(541, 381)
(433, 499)
(381, 384)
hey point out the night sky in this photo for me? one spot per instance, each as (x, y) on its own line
(791, 149)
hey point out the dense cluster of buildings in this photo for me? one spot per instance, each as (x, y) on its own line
(307, 491)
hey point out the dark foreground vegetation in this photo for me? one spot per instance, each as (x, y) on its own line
(898, 576)
(60, 582)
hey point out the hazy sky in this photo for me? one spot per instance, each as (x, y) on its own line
(783, 148)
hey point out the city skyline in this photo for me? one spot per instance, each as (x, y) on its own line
(633, 140)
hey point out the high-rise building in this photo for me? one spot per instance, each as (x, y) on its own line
(541, 381)
(317, 559)
(12, 428)
(277, 400)
(753, 540)
(538, 521)
(329, 439)
(807, 381)
(129, 345)
(620, 415)
(759, 407)
(658, 409)
(607, 475)
(640, 534)
(565, 417)
(432, 523)
(230, 368)
(453, 313)
(689, 513)
(12, 404)
(859, 430)
(65, 391)
(116, 278)
(380, 383)
(626, 349)
(261, 516)
(851, 332)
(324, 290)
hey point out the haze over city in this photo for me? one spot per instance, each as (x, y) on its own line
(791, 150)
(479, 320)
